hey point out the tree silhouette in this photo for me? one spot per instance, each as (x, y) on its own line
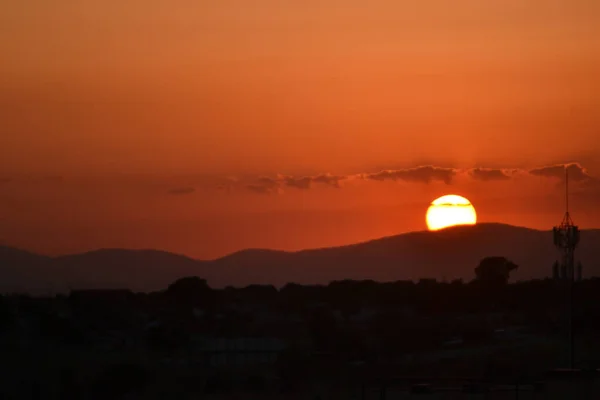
(190, 291)
(494, 271)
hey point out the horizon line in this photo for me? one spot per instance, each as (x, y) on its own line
(159, 250)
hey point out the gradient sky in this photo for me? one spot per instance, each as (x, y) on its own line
(206, 127)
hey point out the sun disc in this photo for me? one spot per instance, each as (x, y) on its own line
(450, 210)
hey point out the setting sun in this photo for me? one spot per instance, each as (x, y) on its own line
(450, 210)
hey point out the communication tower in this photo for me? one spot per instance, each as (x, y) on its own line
(566, 238)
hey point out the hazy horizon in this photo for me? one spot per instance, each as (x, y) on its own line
(204, 128)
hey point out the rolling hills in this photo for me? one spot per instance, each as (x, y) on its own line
(446, 254)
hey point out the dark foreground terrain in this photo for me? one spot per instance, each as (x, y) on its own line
(344, 340)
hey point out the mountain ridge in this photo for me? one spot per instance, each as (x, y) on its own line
(450, 253)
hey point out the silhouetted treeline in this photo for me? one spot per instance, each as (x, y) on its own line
(425, 297)
(486, 326)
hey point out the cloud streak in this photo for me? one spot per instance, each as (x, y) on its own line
(426, 174)
(265, 185)
(423, 174)
(491, 174)
(182, 191)
(577, 172)
(330, 180)
(259, 189)
(279, 183)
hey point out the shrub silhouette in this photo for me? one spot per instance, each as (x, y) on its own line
(494, 271)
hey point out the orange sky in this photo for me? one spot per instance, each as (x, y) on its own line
(129, 101)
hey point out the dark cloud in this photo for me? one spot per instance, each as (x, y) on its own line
(331, 180)
(298, 183)
(577, 172)
(306, 182)
(269, 183)
(182, 191)
(260, 189)
(266, 185)
(423, 174)
(489, 174)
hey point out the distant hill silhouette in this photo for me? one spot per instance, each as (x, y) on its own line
(140, 270)
(22, 271)
(450, 253)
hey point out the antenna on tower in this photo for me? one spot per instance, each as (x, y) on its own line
(567, 188)
(567, 221)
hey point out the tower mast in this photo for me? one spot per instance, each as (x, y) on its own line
(567, 190)
(566, 239)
